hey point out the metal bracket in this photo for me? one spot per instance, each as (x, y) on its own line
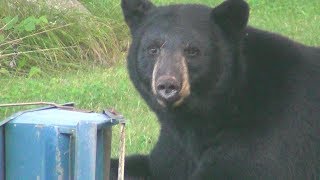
(115, 117)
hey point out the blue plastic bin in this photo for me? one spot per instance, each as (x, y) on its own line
(56, 144)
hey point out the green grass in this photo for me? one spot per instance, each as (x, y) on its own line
(78, 77)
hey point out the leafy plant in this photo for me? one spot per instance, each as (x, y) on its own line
(13, 26)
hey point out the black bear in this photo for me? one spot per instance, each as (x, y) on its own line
(233, 102)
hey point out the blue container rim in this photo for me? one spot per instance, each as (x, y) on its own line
(109, 117)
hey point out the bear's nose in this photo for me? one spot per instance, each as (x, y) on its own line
(168, 88)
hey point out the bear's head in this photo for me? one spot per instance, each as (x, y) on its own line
(185, 55)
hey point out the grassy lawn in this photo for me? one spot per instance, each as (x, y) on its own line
(96, 86)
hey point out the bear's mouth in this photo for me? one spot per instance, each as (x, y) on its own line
(172, 103)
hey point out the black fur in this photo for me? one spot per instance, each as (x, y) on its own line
(254, 107)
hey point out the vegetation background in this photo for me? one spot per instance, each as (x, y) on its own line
(47, 54)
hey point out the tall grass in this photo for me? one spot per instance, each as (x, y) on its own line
(70, 39)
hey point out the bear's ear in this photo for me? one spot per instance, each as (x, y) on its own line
(231, 16)
(134, 11)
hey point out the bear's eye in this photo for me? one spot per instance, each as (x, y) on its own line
(153, 50)
(191, 51)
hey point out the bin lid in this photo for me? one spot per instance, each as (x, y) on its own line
(61, 117)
